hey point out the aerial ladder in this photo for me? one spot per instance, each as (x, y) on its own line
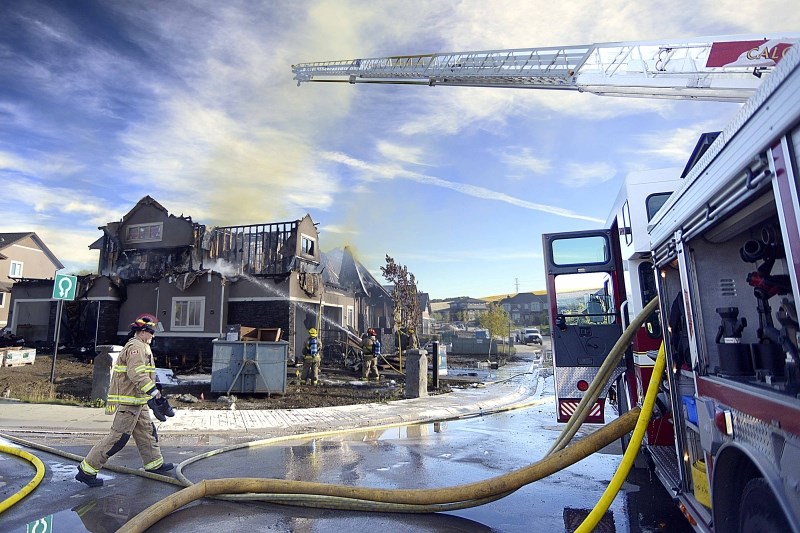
(726, 68)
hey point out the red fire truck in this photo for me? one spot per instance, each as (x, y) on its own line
(723, 257)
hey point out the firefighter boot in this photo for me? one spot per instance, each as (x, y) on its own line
(92, 481)
(158, 411)
(163, 469)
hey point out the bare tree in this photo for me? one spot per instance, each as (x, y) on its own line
(406, 305)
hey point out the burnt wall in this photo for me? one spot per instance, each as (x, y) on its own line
(182, 352)
(260, 314)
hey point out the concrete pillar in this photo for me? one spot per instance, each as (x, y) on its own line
(101, 371)
(416, 373)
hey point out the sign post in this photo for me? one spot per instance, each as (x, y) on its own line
(64, 288)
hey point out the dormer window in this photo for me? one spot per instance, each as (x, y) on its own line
(144, 232)
(307, 245)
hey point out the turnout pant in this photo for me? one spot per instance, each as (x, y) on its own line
(310, 368)
(370, 366)
(129, 420)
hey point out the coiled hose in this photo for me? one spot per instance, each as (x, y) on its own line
(32, 484)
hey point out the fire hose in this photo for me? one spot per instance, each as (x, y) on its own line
(32, 484)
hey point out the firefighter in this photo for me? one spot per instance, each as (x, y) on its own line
(132, 385)
(371, 347)
(312, 355)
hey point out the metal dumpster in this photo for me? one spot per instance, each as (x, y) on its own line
(249, 367)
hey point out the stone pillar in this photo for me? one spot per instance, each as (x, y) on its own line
(416, 373)
(101, 371)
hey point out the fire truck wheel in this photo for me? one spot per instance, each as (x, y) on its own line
(759, 510)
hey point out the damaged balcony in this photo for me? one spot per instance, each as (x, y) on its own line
(262, 249)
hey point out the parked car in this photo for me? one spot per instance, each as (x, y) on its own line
(532, 336)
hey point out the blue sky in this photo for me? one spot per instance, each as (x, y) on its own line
(193, 103)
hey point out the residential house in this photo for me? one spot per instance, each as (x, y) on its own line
(201, 281)
(372, 305)
(526, 308)
(22, 256)
(466, 309)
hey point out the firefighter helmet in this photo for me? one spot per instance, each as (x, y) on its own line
(312, 332)
(146, 322)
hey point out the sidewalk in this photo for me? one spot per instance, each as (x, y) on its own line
(61, 419)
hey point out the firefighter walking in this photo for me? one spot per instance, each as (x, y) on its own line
(312, 355)
(132, 385)
(371, 347)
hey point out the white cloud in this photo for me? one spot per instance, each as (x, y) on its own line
(578, 175)
(522, 158)
(403, 154)
(673, 146)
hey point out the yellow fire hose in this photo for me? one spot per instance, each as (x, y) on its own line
(32, 484)
(633, 448)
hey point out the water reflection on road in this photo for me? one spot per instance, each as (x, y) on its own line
(451, 453)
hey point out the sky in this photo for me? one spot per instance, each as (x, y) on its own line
(193, 103)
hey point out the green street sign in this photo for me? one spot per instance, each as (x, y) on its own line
(64, 287)
(42, 525)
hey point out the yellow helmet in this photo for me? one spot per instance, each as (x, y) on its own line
(312, 332)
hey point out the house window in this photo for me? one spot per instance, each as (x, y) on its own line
(351, 315)
(144, 232)
(16, 269)
(188, 313)
(536, 306)
(2, 300)
(307, 244)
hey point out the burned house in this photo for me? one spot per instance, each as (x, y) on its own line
(201, 281)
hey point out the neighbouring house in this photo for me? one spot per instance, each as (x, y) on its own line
(465, 309)
(201, 282)
(22, 256)
(526, 308)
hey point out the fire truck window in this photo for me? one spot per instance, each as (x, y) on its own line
(585, 298)
(580, 251)
(647, 284)
(654, 202)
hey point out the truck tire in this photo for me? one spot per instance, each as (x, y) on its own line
(759, 511)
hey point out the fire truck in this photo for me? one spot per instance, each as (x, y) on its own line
(718, 244)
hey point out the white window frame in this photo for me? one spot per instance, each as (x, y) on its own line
(351, 316)
(159, 225)
(188, 300)
(13, 267)
(2, 299)
(312, 240)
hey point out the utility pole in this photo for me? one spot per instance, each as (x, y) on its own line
(516, 284)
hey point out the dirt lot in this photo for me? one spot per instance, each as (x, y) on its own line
(73, 384)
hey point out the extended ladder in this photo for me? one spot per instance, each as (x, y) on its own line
(715, 68)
